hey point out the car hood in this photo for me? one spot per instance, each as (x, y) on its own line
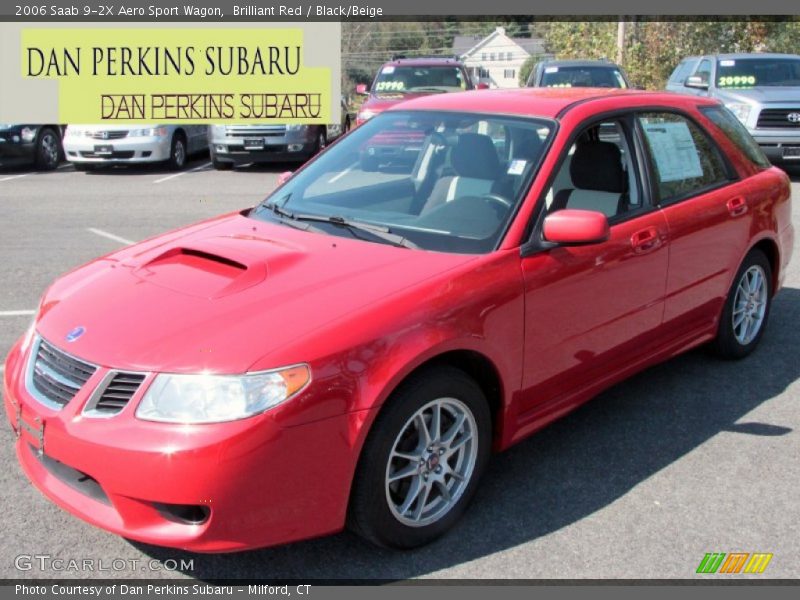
(222, 294)
(764, 95)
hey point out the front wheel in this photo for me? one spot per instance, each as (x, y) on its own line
(48, 150)
(177, 153)
(422, 460)
(746, 309)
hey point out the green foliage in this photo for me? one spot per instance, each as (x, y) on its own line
(526, 68)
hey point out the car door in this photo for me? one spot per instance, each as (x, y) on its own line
(590, 309)
(707, 211)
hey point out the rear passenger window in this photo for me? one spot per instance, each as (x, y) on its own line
(683, 158)
(737, 133)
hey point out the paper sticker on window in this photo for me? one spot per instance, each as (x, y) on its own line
(388, 70)
(517, 167)
(727, 63)
(673, 151)
(551, 70)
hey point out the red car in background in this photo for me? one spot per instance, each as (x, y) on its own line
(351, 351)
(404, 78)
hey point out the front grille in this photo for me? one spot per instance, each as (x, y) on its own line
(115, 395)
(108, 135)
(56, 376)
(256, 131)
(778, 118)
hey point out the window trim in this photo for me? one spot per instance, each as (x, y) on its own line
(533, 242)
(733, 175)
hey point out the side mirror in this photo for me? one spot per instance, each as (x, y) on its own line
(482, 86)
(284, 177)
(361, 89)
(572, 227)
(697, 82)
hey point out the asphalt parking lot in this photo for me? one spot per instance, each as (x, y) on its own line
(693, 456)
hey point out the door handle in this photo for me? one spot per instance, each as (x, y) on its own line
(645, 240)
(737, 206)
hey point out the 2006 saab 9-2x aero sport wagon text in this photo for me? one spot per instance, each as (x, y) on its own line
(443, 281)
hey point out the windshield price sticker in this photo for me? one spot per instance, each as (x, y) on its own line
(390, 85)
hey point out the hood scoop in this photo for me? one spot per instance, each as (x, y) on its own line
(207, 272)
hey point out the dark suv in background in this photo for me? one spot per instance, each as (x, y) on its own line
(762, 90)
(36, 145)
(578, 73)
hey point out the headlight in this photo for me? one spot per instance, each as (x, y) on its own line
(148, 132)
(366, 114)
(219, 130)
(740, 110)
(215, 398)
(28, 134)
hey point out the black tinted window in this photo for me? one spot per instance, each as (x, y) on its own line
(683, 158)
(737, 133)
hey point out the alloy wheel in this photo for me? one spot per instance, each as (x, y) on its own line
(431, 462)
(749, 305)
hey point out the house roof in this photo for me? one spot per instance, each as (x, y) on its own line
(464, 44)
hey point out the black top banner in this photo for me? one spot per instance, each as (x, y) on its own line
(303, 10)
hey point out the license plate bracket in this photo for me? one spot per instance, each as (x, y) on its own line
(104, 149)
(791, 152)
(35, 431)
(253, 143)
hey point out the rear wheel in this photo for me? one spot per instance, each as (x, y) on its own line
(48, 150)
(746, 309)
(422, 461)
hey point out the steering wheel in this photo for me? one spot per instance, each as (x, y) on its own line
(497, 198)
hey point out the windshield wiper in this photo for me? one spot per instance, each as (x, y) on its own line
(287, 218)
(379, 231)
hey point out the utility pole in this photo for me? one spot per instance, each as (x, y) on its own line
(620, 41)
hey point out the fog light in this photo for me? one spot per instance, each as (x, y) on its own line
(220, 148)
(295, 147)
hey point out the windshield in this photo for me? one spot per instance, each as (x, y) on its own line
(609, 77)
(750, 72)
(443, 181)
(419, 79)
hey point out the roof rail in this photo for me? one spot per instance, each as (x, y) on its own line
(425, 57)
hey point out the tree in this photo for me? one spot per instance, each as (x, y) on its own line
(525, 70)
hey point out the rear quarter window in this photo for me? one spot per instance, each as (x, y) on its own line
(736, 133)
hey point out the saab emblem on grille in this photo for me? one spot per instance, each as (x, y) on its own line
(793, 117)
(75, 334)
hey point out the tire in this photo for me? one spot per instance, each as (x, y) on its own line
(734, 338)
(221, 165)
(177, 152)
(48, 150)
(322, 141)
(376, 504)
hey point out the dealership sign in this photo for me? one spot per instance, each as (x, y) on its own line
(171, 75)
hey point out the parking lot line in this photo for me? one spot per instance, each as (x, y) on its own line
(16, 313)
(173, 176)
(111, 236)
(65, 165)
(13, 177)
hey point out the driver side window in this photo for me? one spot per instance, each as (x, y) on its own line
(597, 174)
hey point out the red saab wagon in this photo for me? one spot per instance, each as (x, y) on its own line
(351, 351)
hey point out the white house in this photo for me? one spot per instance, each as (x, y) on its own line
(496, 59)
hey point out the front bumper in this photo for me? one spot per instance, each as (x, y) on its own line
(15, 153)
(257, 483)
(126, 150)
(283, 148)
(778, 145)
